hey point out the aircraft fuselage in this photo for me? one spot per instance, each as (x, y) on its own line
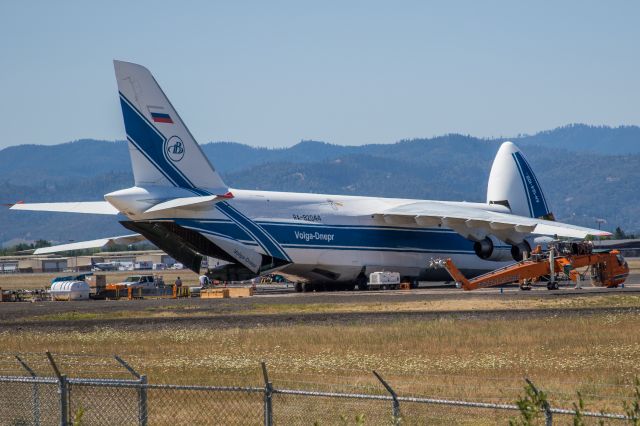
(322, 237)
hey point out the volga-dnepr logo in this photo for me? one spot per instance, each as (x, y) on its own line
(174, 148)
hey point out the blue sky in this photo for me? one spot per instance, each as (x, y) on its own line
(273, 73)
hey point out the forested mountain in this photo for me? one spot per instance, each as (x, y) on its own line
(586, 172)
(580, 137)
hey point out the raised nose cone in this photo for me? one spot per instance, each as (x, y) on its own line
(512, 183)
(507, 148)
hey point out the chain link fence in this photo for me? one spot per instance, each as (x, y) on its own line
(60, 400)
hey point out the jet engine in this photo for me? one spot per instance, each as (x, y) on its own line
(517, 250)
(491, 248)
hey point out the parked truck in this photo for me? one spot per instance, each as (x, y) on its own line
(146, 282)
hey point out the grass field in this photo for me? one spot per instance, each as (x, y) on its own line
(454, 356)
(476, 349)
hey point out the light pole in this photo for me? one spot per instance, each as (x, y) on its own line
(600, 222)
(75, 253)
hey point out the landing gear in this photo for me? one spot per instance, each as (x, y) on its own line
(553, 285)
(298, 287)
(307, 287)
(525, 285)
(362, 283)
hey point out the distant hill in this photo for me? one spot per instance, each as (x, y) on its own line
(91, 157)
(78, 159)
(580, 137)
(230, 156)
(582, 182)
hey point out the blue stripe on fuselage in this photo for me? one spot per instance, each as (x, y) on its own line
(227, 229)
(343, 237)
(261, 236)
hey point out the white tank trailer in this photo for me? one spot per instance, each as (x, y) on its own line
(70, 290)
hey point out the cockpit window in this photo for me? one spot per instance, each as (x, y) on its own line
(620, 259)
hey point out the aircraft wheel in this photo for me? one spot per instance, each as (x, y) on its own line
(525, 287)
(307, 287)
(298, 287)
(362, 283)
(350, 286)
(552, 286)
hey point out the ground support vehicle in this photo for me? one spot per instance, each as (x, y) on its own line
(607, 268)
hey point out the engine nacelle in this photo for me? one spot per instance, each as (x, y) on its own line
(517, 251)
(491, 248)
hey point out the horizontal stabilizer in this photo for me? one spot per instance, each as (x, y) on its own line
(87, 207)
(189, 203)
(81, 245)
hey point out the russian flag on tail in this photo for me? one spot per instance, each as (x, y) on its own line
(158, 115)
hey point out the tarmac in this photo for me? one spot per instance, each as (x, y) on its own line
(238, 312)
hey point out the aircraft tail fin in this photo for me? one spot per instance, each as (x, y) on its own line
(512, 183)
(163, 151)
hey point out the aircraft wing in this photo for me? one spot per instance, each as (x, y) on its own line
(474, 222)
(91, 207)
(81, 245)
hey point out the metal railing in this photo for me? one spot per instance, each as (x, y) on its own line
(35, 400)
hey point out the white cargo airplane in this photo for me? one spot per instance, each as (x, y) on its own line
(181, 204)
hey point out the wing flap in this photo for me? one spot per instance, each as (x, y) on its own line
(473, 221)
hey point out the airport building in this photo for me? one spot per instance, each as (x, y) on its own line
(628, 248)
(13, 264)
(130, 260)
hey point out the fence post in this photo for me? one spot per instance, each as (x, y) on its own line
(142, 390)
(142, 401)
(268, 401)
(63, 390)
(129, 368)
(546, 407)
(396, 404)
(34, 393)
